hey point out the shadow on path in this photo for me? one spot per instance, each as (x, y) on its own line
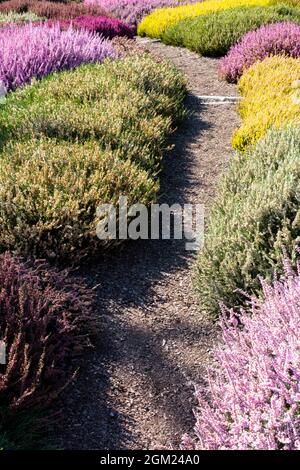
(136, 387)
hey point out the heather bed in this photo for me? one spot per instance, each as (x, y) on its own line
(156, 24)
(133, 11)
(20, 18)
(268, 40)
(252, 398)
(52, 10)
(83, 137)
(250, 221)
(46, 321)
(106, 27)
(34, 51)
(214, 34)
(269, 98)
(79, 139)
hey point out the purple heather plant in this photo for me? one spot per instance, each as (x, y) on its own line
(46, 320)
(253, 396)
(133, 11)
(29, 51)
(275, 39)
(107, 27)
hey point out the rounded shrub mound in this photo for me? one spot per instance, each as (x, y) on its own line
(269, 98)
(213, 35)
(252, 401)
(19, 18)
(276, 39)
(156, 24)
(52, 10)
(255, 214)
(107, 27)
(46, 321)
(83, 138)
(45, 50)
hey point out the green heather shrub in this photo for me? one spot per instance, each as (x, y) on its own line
(214, 34)
(255, 215)
(78, 139)
(128, 106)
(49, 193)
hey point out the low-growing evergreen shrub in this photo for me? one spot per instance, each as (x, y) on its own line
(46, 319)
(52, 10)
(252, 398)
(269, 98)
(214, 34)
(50, 193)
(133, 11)
(123, 110)
(107, 27)
(275, 39)
(255, 214)
(156, 24)
(45, 50)
(19, 18)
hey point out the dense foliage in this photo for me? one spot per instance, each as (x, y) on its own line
(107, 27)
(51, 10)
(20, 18)
(269, 98)
(46, 320)
(214, 34)
(277, 39)
(255, 214)
(133, 11)
(252, 402)
(29, 51)
(51, 187)
(156, 24)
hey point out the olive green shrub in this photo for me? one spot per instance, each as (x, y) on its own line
(76, 140)
(256, 214)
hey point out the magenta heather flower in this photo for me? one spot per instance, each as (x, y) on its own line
(132, 11)
(253, 399)
(34, 51)
(274, 39)
(107, 27)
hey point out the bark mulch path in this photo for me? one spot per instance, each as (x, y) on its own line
(135, 390)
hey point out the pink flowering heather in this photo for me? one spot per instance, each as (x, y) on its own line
(132, 11)
(254, 390)
(107, 27)
(30, 51)
(274, 39)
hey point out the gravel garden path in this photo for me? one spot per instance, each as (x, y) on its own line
(135, 390)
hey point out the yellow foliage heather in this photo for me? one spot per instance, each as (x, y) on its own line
(270, 100)
(155, 24)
